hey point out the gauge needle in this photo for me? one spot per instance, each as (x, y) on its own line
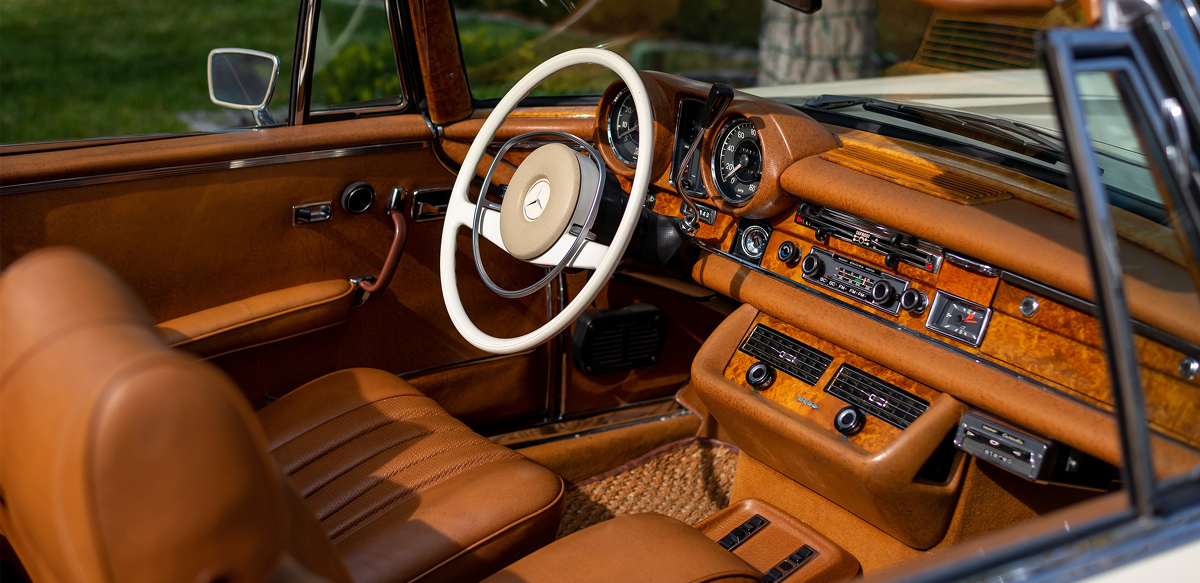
(626, 132)
(735, 169)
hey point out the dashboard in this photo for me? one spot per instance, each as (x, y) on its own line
(900, 297)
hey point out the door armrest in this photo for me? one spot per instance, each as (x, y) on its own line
(260, 319)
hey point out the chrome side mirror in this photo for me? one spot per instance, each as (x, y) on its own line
(243, 79)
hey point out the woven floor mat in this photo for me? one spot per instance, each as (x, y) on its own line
(688, 480)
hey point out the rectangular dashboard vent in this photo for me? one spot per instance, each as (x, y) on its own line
(799, 360)
(876, 396)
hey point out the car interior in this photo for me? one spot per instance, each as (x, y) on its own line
(705, 335)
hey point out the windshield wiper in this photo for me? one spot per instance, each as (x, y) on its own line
(1014, 136)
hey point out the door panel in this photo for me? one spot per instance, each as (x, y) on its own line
(207, 234)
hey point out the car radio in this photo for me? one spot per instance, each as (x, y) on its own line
(1015, 451)
(852, 279)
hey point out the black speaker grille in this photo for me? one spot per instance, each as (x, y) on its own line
(876, 396)
(795, 358)
(618, 339)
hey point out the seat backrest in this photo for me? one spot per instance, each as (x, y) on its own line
(124, 461)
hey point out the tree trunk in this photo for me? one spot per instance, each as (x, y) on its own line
(836, 43)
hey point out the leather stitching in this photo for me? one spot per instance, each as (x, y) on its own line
(327, 448)
(313, 489)
(339, 416)
(400, 465)
(387, 503)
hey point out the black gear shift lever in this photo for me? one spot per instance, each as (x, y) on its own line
(719, 98)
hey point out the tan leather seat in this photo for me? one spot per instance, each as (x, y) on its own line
(123, 460)
(391, 475)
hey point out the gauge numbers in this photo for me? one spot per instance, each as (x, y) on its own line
(737, 161)
(623, 128)
(958, 318)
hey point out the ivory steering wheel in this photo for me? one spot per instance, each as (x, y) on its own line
(554, 189)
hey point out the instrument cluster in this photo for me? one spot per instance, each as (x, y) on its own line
(734, 160)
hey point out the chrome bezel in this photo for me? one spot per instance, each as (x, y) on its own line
(608, 129)
(935, 309)
(745, 235)
(716, 150)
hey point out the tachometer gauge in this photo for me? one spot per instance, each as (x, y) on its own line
(737, 161)
(623, 128)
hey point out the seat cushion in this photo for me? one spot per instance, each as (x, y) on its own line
(638, 547)
(406, 491)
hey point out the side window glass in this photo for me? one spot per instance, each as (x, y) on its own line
(73, 69)
(1158, 274)
(355, 63)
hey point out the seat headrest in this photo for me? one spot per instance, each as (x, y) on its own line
(55, 291)
(120, 459)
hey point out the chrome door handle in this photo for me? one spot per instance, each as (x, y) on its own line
(430, 204)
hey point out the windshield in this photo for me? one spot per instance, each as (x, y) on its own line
(898, 51)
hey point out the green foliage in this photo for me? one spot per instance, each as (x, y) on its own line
(357, 73)
(80, 68)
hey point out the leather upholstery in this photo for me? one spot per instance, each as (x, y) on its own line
(260, 319)
(639, 547)
(384, 468)
(122, 460)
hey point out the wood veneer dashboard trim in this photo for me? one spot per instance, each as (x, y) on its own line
(945, 368)
(1011, 234)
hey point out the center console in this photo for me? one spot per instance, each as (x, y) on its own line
(853, 431)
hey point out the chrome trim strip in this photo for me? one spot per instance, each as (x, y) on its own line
(602, 429)
(412, 374)
(187, 169)
(1142, 328)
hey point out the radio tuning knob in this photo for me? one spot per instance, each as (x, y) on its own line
(760, 375)
(882, 293)
(788, 252)
(812, 266)
(849, 421)
(914, 301)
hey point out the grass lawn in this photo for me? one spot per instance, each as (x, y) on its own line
(76, 68)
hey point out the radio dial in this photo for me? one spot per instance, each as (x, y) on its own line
(914, 301)
(882, 293)
(812, 266)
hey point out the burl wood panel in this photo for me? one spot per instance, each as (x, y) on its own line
(966, 285)
(442, 72)
(1084, 328)
(1172, 406)
(876, 433)
(719, 234)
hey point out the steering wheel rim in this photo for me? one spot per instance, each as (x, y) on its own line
(460, 212)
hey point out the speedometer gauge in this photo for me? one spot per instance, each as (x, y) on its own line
(623, 128)
(737, 161)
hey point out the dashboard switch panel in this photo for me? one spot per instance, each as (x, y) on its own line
(854, 280)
